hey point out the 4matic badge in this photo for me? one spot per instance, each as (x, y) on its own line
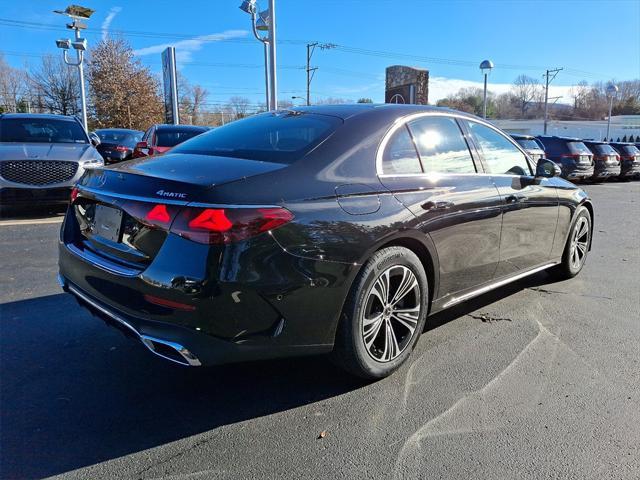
(162, 193)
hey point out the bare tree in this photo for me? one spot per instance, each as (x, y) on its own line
(55, 86)
(238, 106)
(526, 90)
(13, 87)
(124, 93)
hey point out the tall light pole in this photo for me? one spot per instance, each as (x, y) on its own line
(486, 67)
(260, 22)
(76, 13)
(273, 78)
(612, 89)
(311, 71)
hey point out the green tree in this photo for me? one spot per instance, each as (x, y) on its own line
(365, 100)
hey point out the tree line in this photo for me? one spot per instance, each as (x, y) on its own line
(122, 92)
(525, 100)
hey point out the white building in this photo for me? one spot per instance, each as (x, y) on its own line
(591, 129)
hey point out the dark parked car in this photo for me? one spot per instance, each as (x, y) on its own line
(573, 156)
(531, 145)
(317, 229)
(117, 144)
(629, 159)
(41, 157)
(161, 138)
(606, 159)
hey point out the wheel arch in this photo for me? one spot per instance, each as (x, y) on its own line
(589, 206)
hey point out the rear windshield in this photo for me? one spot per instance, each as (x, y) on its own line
(631, 150)
(578, 147)
(128, 139)
(172, 137)
(278, 137)
(528, 144)
(41, 130)
(603, 149)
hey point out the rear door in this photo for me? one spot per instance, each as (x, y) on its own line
(428, 166)
(530, 207)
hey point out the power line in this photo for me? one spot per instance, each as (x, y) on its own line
(550, 75)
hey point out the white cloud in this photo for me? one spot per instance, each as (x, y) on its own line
(440, 87)
(185, 48)
(107, 21)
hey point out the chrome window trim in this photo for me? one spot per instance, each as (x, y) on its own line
(401, 121)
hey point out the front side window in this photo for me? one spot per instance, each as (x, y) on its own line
(41, 130)
(278, 137)
(400, 156)
(441, 146)
(500, 155)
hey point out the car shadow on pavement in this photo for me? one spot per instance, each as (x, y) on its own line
(32, 212)
(75, 393)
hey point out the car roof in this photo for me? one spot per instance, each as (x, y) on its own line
(122, 130)
(347, 110)
(167, 126)
(520, 136)
(50, 116)
(568, 139)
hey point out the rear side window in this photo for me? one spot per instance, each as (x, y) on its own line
(501, 156)
(400, 155)
(441, 146)
(278, 137)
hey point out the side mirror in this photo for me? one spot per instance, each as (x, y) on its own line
(547, 169)
(94, 138)
(141, 145)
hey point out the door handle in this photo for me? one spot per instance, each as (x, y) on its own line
(433, 206)
(515, 198)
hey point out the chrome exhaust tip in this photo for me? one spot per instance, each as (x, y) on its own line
(172, 351)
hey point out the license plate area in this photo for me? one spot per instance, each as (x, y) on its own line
(108, 222)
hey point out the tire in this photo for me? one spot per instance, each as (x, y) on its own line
(576, 248)
(363, 346)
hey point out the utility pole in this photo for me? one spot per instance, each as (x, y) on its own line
(549, 76)
(312, 70)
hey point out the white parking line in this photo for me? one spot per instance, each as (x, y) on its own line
(31, 221)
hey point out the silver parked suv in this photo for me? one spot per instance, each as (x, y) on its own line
(41, 157)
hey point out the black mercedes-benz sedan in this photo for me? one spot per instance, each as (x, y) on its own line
(314, 230)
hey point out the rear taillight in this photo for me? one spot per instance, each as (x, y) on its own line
(227, 225)
(74, 194)
(122, 148)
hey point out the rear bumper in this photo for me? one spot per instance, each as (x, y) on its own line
(577, 173)
(34, 196)
(607, 172)
(250, 301)
(629, 170)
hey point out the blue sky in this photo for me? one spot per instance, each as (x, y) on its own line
(593, 40)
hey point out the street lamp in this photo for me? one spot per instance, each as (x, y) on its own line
(265, 22)
(612, 89)
(485, 67)
(76, 13)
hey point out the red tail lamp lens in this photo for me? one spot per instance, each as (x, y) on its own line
(211, 219)
(74, 194)
(122, 148)
(223, 226)
(159, 214)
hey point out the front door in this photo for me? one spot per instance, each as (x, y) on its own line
(428, 166)
(530, 207)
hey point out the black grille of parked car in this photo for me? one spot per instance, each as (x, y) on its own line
(37, 172)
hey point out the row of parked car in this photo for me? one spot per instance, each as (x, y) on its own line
(118, 144)
(42, 156)
(585, 159)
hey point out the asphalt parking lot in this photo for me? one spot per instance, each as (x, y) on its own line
(536, 380)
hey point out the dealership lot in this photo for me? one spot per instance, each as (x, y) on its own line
(536, 380)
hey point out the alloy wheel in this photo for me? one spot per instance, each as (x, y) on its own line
(579, 243)
(391, 313)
